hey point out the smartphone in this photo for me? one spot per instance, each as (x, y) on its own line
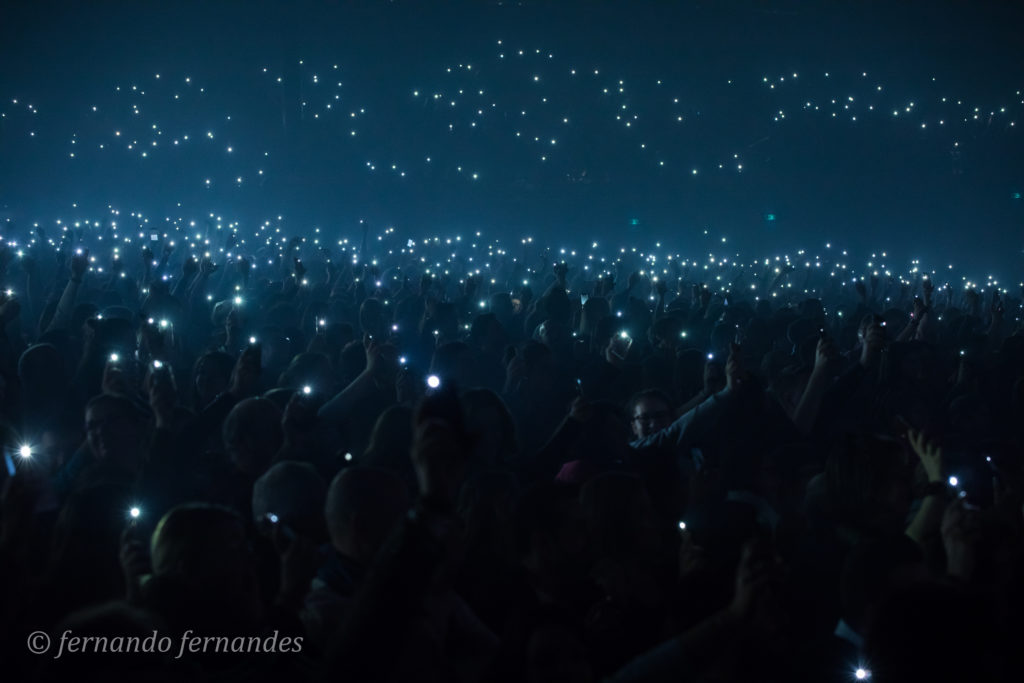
(621, 344)
(274, 522)
(257, 350)
(134, 514)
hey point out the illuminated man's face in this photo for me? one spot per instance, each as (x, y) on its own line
(650, 415)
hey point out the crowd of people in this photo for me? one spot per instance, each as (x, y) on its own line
(504, 469)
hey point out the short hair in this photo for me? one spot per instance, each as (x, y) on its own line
(258, 416)
(293, 491)
(656, 394)
(183, 538)
(123, 404)
(369, 496)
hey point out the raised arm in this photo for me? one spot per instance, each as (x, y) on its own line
(806, 412)
(62, 316)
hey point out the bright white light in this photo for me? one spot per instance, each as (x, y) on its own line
(134, 512)
(25, 451)
(307, 390)
(433, 381)
(953, 481)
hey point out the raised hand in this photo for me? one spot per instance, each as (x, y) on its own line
(232, 327)
(928, 452)
(862, 291)
(30, 265)
(79, 265)
(163, 396)
(381, 359)
(469, 285)
(998, 308)
(608, 285)
(207, 267)
(115, 379)
(920, 308)
(299, 417)
(9, 308)
(134, 559)
(960, 526)
(735, 374)
(245, 377)
(973, 300)
(873, 343)
(824, 353)
(757, 573)
(928, 288)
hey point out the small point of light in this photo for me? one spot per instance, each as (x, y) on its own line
(433, 381)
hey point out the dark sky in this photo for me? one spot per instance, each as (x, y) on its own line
(874, 181)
